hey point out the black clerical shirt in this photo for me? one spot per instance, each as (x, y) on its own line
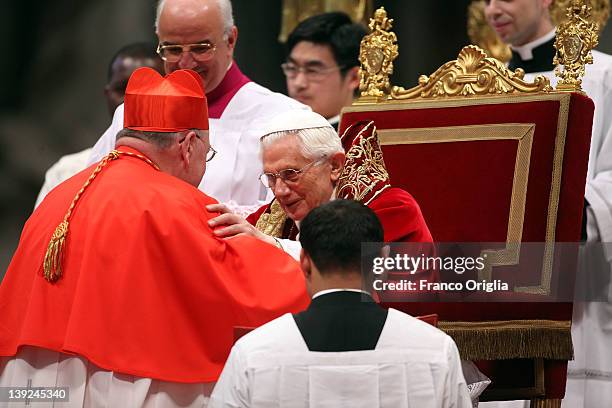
(341, 321)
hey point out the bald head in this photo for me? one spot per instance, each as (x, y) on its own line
(183, 22)
(225, 8)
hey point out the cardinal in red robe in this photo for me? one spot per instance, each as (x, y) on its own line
(119, 266)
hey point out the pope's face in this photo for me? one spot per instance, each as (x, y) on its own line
(324, 89)
(314, 186)
(518, 22)
(194, 22)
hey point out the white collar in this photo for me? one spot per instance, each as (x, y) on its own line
(334, 120)
(326, 291)
(525, 50)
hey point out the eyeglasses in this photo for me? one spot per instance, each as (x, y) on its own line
(313, 73)
(210, 154)
(200, 52)
(289, 176)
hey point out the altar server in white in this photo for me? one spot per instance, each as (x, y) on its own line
(201, 35)
(344, 350)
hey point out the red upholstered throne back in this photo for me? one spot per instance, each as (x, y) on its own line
(490, 169)
(464, 185)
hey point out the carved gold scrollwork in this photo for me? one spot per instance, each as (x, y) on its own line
(377, 52)
(575, 39)
(472, 73)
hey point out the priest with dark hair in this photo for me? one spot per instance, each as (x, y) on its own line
(344, 349)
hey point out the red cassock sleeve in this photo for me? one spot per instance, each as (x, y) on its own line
(402, 221)
(400, 217)
(147, 289)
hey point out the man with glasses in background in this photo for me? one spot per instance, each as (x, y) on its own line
(201, 35)
(322, 67)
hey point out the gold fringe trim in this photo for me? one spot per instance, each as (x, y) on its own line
(507, 339)
(54, 256)
(545, 403)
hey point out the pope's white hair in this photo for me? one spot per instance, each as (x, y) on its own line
(315, 143)
(226, 14)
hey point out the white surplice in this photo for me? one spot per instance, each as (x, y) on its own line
(87, 385)
(66, 167)
(414, 365)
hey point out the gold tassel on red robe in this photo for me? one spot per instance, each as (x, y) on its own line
(52, 266)
(54, 257)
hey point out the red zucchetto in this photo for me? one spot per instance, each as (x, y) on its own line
(173, 103)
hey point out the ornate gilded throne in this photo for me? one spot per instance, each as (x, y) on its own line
(491, 158)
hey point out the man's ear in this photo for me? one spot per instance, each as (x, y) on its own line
(337, 164)
(187, 146)
(306, 265)
(352, 78)
(232, 37)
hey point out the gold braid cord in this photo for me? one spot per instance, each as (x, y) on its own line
(377, 52)
(471, 74)
(272, 223)
(54, 257)
(575, 39)
(364, 175)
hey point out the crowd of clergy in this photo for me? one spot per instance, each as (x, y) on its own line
(212, 203)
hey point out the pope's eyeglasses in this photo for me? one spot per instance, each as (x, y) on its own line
(289, 176)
